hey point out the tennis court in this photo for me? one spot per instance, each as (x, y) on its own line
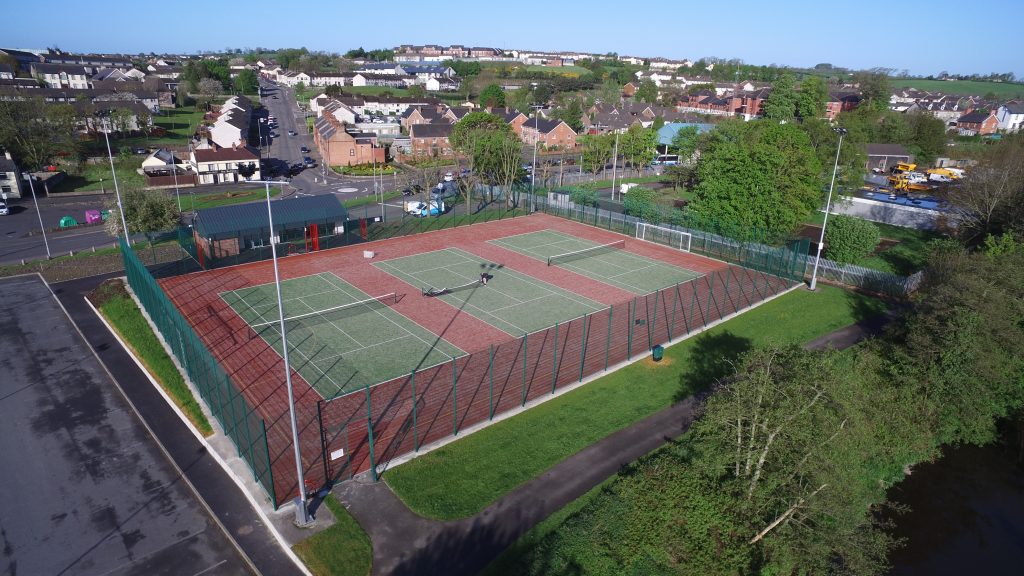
(512, 302)
(340, 339)
(608, 263)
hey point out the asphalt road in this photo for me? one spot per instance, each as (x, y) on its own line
(85, 488)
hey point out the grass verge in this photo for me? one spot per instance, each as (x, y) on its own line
(126, 318)
(200, 201)
(341, 550)
(464, 477)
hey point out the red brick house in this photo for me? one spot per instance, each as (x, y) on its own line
(629, 89)
(550, 134)
(341, 147)
(977, 123)
(431, 140)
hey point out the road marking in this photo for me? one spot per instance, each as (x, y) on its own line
(348, 189)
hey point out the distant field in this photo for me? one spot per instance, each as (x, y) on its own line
(560, 70)
(964, 87)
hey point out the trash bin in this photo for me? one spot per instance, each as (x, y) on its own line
(68, 222)
(93, 217)
(657, 352)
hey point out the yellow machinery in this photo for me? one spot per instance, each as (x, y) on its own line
(901, 168)
(903, 184)
(952, 174)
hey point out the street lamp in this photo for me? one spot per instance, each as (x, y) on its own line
(828, 204)
(28, 176)
(117, 191)
(302, 516)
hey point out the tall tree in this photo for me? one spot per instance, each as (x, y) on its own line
(875, 89)
(781, 102)
(684, 142)
(246, 82)
(36, 132)
(990, 197)
(144, 211)
(493, 148)
(758, 176)
(812, 97)
(638, 146)
(647, 92)
(492, 97)
(596, 150)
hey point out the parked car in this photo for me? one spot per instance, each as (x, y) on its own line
(295, 169)
(291, 132)
(304, 150)
(140, 151)
(4, 210)
(309, 162)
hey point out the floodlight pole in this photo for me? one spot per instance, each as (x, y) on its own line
(533, 170)
(615, 162)
(28, 176)
(828, 205)
(302, 517)
(117, 191)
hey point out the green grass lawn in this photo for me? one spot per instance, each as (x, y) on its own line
(559, 70)
(180, 124)
(227, 198)
(341, 550)
(464, 477)
(126, 318)
(905, 258)
(962, 87)
(97, 176)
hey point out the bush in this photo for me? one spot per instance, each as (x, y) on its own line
(640, 202)
(849, 239)
(583, 197)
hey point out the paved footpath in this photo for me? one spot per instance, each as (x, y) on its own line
(404, 543)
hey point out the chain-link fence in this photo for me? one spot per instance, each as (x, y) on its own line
(236, 417)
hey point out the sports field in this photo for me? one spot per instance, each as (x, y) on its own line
(513, 302)
(611, 264)
(340, 338)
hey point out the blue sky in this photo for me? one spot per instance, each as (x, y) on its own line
(925, 37)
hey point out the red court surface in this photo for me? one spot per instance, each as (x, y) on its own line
(500, 374)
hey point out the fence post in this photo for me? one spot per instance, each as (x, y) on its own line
(554, 360)
(523, 387)
(369, 434)
(675, 302)
(270, 470)
(490, 389)
(653, 321)
(608, 341)
(415, 432)
(710, 279)
(323, 439)
(632, 322)
(743, 291)
(455, 399)
(727, 295)
(583, 345)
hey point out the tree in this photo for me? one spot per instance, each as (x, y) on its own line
(121, 120)
(781, 102)
(758, 176)
(849, 238)
(210, 87)
(246, 82)
(647, 92)
(642, 203)
(583, 197)
(681, 175)
(928, 135)
(144, 211)
(638, 147)
(596, 150)
(417, 91)
(492, 97)
(875, 89)
(684, 142)
(571, 113)
(145, 123)
(493, 148)
(812, 98)
(36, 132)
(990, 196)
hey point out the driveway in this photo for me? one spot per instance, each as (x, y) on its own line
(85, 488)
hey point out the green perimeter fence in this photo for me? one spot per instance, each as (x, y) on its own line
(238, 420)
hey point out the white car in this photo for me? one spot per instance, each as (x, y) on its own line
(424, 209)
(4, 211)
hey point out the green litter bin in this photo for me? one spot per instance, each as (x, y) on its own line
(68, 222)
(657, 352)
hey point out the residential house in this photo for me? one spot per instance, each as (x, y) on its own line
(148, 99)
(442, 85)
(386, 105)
(977, 122)
(331, 79)
(340, 111)
(230, 124)
(629, 90)
(168, 72)
(116, 75)
(841, 102)
(1011, 116)
(10, 177)
(549, 134)
(423, 115)
(23, 58)
(91, 62)
(431, 140)
(100, 116)
(885, 156)
(6, 72)
(946, 109)
(386, 80)
(215, 165)
(62, 75)
(340, 146)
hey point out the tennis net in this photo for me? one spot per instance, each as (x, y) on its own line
(586, 252)
(335, 312)
(432, 291)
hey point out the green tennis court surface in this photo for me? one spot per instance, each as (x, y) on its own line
(512, 302)
(339, 350)
(633, 272)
